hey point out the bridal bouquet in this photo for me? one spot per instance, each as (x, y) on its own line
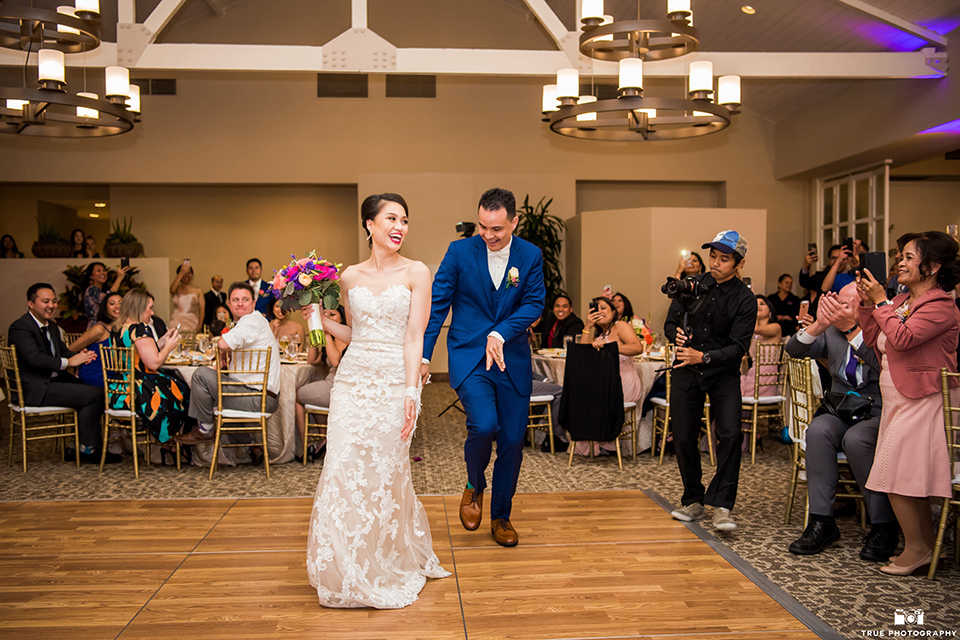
(308, 281)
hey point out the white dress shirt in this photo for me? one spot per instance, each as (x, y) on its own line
(497, 263)
(252, 331)
(855, 342)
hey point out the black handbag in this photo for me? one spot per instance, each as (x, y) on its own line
(851, 407)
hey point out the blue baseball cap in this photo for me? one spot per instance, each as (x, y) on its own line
(728, 242)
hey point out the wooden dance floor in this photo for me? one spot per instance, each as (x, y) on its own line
(589, 565)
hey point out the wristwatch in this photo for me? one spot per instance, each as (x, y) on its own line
(883, 303)
(705, 358)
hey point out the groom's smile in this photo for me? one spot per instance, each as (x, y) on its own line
(496, 227)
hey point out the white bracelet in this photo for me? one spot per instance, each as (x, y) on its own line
(414, 394)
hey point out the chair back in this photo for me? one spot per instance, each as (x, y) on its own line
(119, 371)
(70, 338)
(768, 370)
(803, 400)
(953, 430)
(3, 339)
(11, 376)
(188, 339)
(669, 353)
(591, 407)
(535, 340)
(247, 362)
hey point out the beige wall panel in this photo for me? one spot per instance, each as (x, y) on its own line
(657, 236)
(923, 206)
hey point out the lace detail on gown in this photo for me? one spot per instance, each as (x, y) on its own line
(369, 543)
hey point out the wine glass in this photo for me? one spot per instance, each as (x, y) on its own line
(284, 342)
(291, 349)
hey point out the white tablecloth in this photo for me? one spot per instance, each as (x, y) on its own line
(551, 368)
(281, 426)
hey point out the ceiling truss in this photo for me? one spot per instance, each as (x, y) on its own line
(359, 49)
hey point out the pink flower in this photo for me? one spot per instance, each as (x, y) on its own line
(303, 261)
(305, 279)
(279, 282)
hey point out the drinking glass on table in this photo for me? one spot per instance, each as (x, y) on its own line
(284, 342)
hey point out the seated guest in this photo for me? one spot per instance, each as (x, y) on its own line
(95, 337)
(853, 366)
(218, 328)
(281, 324)
(786, 306)
(318, 392)
(560, 322)
(222, 314)
(8, 247)
(766, 331)
(90, 247)
(251, 331)
(213, 300)
(603, 326)
(42, 358)
(261, 288)
(689, 265)
(161, 398)
(188, 300)
(93, 283)
(622, 304)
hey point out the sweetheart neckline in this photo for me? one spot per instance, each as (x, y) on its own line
(367, 289)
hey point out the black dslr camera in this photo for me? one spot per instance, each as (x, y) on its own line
(466, 229)
(688, 286)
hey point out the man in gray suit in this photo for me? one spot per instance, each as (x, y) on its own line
(836, 336)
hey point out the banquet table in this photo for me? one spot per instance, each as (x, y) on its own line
(549, 363)
(281, 426)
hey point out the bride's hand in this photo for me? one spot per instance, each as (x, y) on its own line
(409, 417)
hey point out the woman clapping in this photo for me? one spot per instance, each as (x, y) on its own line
(915, 336)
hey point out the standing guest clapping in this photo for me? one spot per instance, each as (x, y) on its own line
(915, 335)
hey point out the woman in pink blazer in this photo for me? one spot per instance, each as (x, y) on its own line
(915, 335)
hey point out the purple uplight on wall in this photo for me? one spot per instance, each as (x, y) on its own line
(947, 127)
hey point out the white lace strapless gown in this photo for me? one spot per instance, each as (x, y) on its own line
(369, 543)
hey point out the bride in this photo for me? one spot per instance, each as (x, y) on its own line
(369, 543)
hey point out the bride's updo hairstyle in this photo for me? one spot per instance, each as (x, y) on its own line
(936, 247)
(373, 204)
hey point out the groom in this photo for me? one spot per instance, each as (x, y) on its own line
(494, 282)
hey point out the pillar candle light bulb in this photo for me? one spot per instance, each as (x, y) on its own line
(51, 65)
(67, 11)
(631, 73)
(133, 103)
(592, 115)
(568, 83)
(728, 90)
(91, 6)
(591, 9)
(701, 76)
(550, 103)
(118, 81)
(86, 112)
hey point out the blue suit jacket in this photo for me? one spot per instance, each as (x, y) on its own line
(463, 282)
(264, 298)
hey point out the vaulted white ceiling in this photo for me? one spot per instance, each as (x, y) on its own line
(789, 53)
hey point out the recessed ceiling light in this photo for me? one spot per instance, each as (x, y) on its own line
(94, 215)
(99, 205)
(747, 9)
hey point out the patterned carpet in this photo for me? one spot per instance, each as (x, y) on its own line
(850, 595)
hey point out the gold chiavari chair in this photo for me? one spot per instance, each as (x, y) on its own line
(34, 423)
(70, 338)
(228, 421)
(661, 414)
(629, 430)
(804, 404)
(951, 506)
(119, 415)
(769, 373)
(540, 418)
(315, 430)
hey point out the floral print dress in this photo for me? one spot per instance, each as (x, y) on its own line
(161, 399)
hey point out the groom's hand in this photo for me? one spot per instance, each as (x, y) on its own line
(424, 374)
(495, 353)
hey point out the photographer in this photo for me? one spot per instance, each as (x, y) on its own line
(711, 320)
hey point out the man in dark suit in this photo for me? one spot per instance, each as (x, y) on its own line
(560, 322)
(263, 299)
(43, 358)
(213, 299)
(836, 336)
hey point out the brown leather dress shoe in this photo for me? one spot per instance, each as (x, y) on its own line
(471, 509)
(195, 437)
(504, 533)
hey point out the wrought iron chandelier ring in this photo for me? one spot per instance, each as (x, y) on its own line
(645, 39)
(31, 29)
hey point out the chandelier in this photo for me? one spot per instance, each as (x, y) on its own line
(631, 116)
(49, 110)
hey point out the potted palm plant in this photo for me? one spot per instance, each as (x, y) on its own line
(121, 243)
(546, 231)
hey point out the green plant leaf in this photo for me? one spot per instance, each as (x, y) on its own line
(330, 301)
(306, 297)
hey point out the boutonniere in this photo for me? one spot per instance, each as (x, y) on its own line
(227, 328)
(513, 277)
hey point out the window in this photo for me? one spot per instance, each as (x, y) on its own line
(854, 206)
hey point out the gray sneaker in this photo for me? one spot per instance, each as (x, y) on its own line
(722, 520)
(689, 513)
